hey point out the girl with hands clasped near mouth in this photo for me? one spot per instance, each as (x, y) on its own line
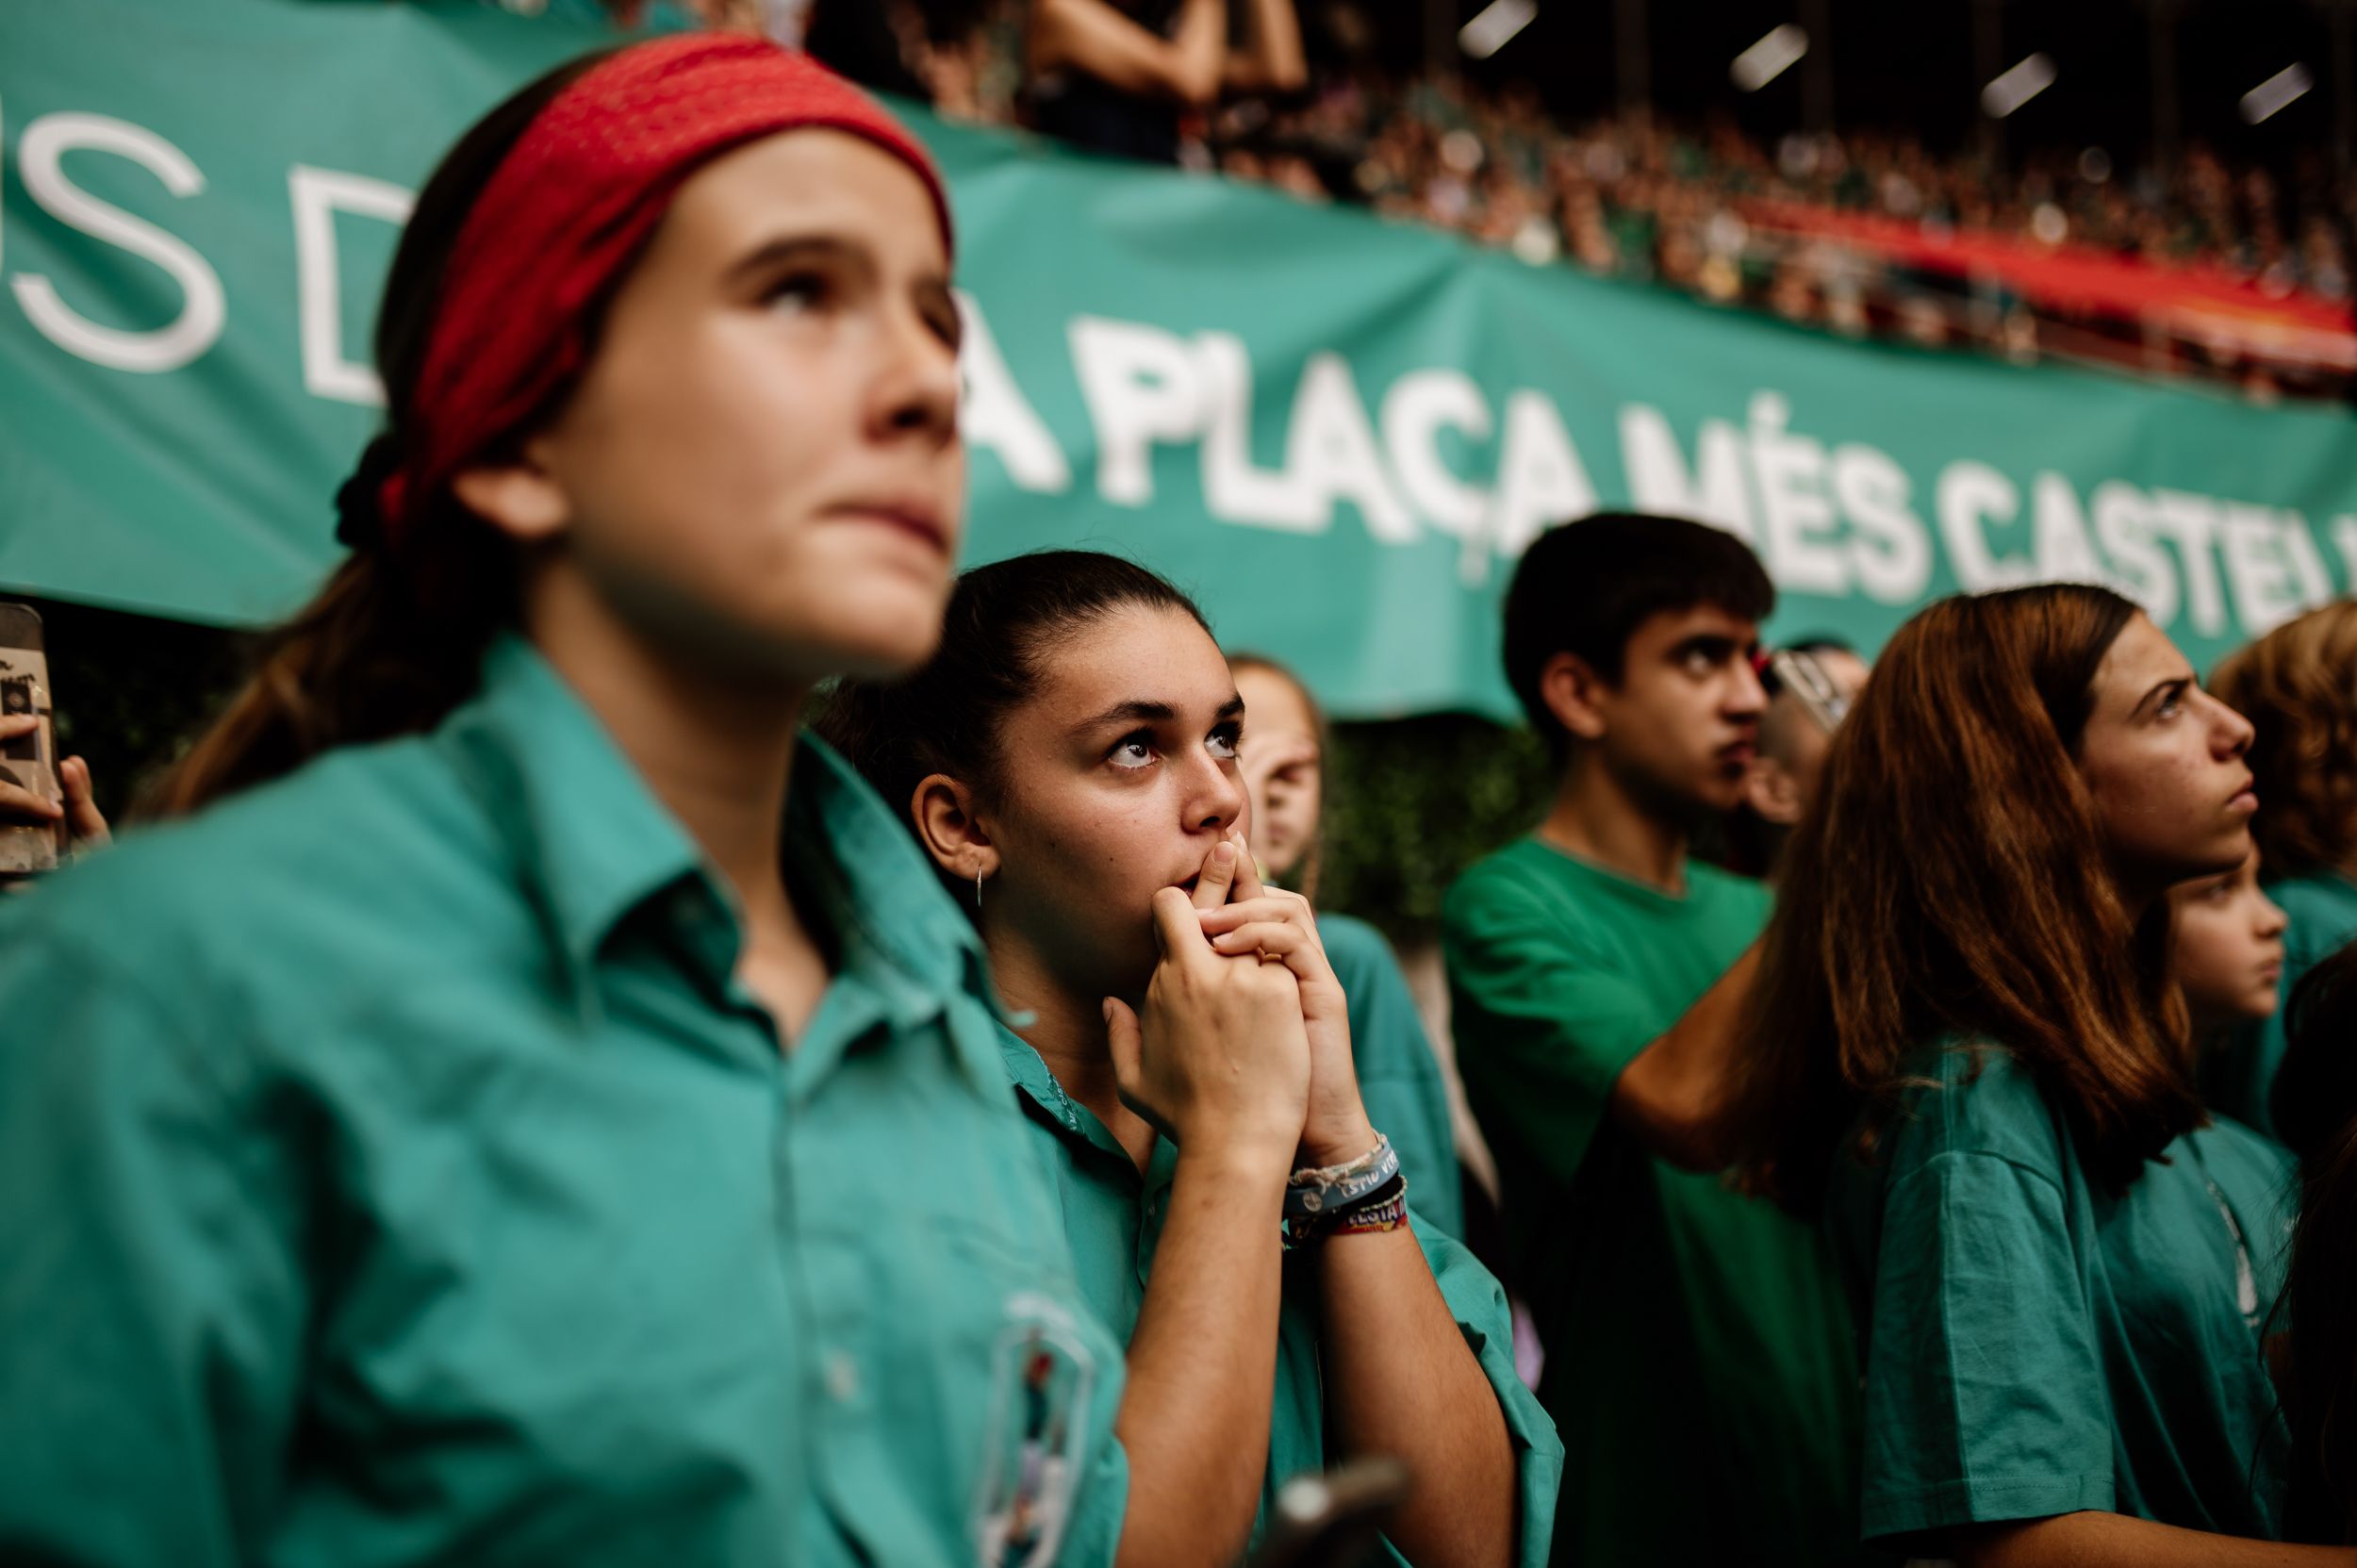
(1180, 1051)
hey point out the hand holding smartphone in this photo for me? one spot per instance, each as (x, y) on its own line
(45, 803)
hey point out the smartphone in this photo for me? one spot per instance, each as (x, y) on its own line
(1820, 696)
(28, 761)
(1333, 1520)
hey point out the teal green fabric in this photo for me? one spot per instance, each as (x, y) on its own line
(1354, 426)
(2035, 1344)
(1113, 1218)
(2321, 909)
(393, 1172)
(1399, 1077)
(1699, 1357)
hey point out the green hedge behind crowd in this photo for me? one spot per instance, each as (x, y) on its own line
(1411, 801)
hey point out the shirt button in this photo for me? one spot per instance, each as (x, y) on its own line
(842, 1377)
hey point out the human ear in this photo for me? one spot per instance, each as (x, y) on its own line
(520, 498)
(943, 809)
(1770, 789)
(1573, 692)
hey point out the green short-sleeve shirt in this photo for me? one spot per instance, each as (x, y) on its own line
(1113, 1218)
(1699, 1356)
(2321, 911)
(2035, 1344)
(393, 1171)
(1399, 1077)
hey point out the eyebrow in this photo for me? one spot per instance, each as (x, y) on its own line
(1137, 711)
(797, 247)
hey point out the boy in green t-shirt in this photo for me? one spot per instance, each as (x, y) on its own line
(1698, 1358)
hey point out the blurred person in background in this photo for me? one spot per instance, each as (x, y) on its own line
(1116, 76)
(1810, 685)
(1698, 1356)
(2226, 951)
(458, 1138)
(1399, 1074)
(2297, 685)
(1069, 761)
(1967, 1052)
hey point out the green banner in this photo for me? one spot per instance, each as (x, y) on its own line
(1337, 432)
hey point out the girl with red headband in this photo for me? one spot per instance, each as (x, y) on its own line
(542, 1109)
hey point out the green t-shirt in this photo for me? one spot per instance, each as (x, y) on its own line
(1399, 1077)
(2321, 911)
(2035, 1344)
(393, 1170)
(1113, 1218)
(1699, 1359)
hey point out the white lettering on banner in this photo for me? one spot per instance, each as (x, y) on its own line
(1418, 408)
(1141, 388)
(1541, 481)
(1795, 516)
(993, 412)
(1234, 491)
(2261, 572)
(316, 196)
(1830, 518)
(203, 309)
(2058, 534)
(1657, 477)
(1969, 494)
(1891, 552)
(2345, 540)
(1330, 452)
(2191, 523)
(2141, 569)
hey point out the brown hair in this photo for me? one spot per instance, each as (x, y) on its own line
(1949, 879)
(1303, 878)
(2297, 685)
(395, 640)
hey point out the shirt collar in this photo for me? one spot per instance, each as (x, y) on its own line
(594, 844)
(1072, 1120)
(590, 840)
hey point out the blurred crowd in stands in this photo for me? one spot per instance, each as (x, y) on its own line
(2240, 275)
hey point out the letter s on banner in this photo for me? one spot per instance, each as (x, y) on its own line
(203, 311)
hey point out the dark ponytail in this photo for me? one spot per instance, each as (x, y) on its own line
(395, 640)
(1003, 622)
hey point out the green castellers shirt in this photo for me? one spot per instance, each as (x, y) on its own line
(1698, 1358)
(393, 1171)
(2036, 1345)
(1113, 1217)
(2321, 911)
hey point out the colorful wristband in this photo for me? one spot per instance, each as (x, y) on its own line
(1322, 1189)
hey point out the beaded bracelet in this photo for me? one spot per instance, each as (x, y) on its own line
(1322, 1189)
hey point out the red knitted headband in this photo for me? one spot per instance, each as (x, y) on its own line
(568, 208)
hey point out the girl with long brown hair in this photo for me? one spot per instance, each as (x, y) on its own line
(1968, 1054)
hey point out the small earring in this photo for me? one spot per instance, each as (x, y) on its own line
(978, 892)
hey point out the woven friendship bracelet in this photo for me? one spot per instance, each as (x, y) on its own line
(1374, 1211)
(1322, 1189)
